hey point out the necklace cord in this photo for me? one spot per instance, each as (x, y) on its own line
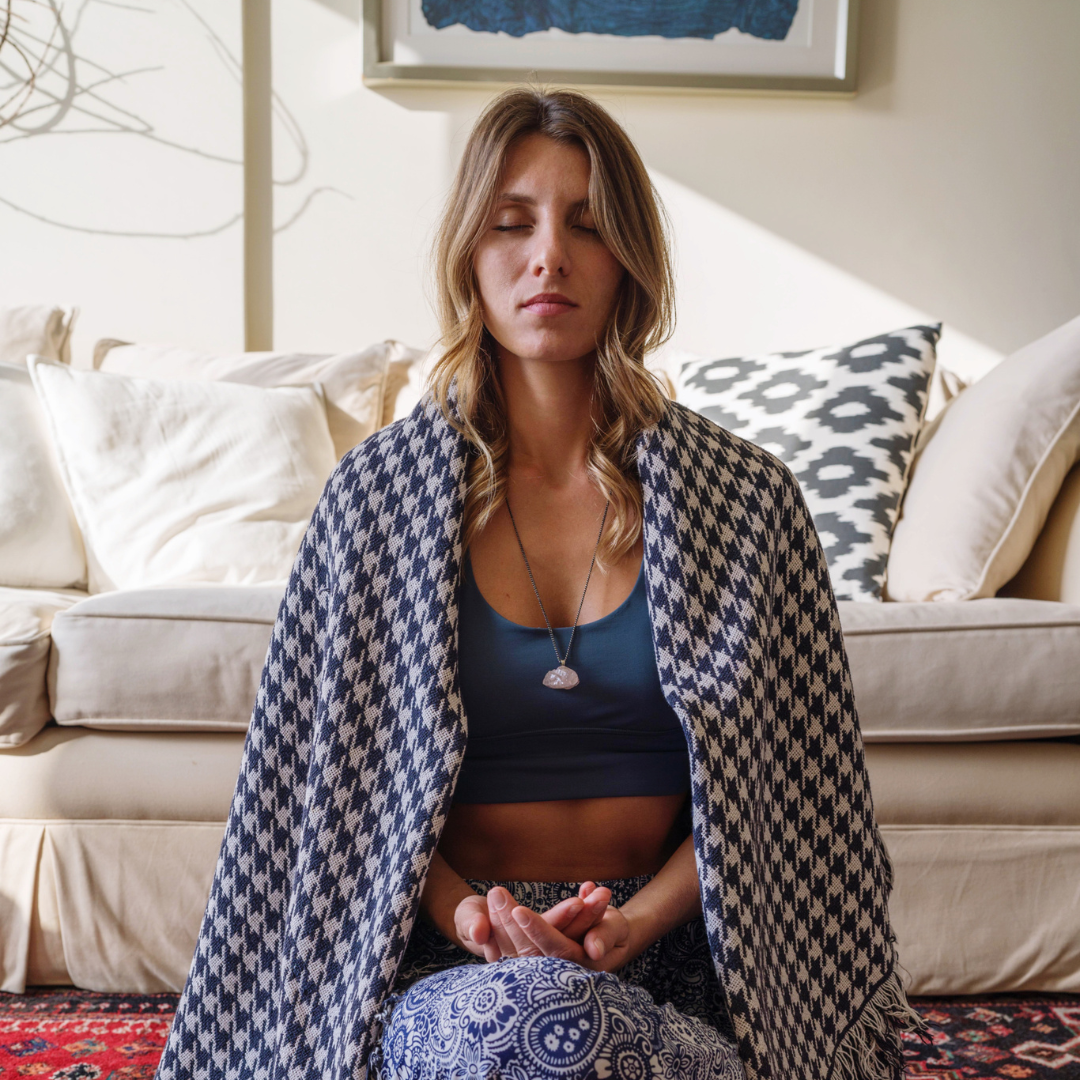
(532, 581)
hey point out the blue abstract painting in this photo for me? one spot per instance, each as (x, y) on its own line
(626, 18)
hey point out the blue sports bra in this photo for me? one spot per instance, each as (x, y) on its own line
(613, 734)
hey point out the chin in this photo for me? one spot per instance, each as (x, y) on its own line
(549, 351)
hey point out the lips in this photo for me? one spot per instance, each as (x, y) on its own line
(549, 304)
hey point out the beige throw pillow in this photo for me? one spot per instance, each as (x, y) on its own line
(176, 482)
(36, 330)
(360, 387)
(1052, 570)
(981, 488)
(40, 545)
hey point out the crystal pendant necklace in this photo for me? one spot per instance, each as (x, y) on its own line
(561, 677)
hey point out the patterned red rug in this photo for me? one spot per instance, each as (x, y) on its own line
(1017, 1036)
(78, 1035)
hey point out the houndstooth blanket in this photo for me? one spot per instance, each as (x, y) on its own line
(358, 733)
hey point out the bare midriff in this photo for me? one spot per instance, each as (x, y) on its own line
(564, 839)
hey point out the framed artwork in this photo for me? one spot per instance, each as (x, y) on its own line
(800, 46)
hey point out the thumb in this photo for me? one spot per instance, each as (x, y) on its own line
(609, 934)
(477, 928)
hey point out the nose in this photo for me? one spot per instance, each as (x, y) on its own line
(551, 253)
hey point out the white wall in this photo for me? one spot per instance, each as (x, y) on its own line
(947, 189)
(121, 185)
(348, 271)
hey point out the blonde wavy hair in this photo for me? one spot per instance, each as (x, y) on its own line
(464, 380)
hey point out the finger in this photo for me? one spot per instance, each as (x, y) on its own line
(544, 938)
(598, 899)
(563, 913)
(500, 903)
(592, 912)
(523, 944)
(480, 935)
(586, 888)
(474, 928)
(512, 941)
(471, 924)
(610, 934)
(584, 923)
(479, 928)
(596, 945)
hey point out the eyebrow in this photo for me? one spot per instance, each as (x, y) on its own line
(528, 200)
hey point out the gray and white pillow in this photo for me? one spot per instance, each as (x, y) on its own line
(844, 419)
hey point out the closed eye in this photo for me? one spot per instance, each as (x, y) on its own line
(519, 228)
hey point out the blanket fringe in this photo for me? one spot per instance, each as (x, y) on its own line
(380, 1022)
(886, 860)
(871, 1047)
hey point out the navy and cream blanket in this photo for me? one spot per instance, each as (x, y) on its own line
(358, 734)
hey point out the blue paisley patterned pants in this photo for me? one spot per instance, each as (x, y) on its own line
(452, 1016)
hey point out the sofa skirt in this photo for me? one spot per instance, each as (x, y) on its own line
(103, 905)
(116, 906)
(986, 910)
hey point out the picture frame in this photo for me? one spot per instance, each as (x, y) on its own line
(615, 44)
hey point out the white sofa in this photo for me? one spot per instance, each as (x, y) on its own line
(132, 706)
(111, 816)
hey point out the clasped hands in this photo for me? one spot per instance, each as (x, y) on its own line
(582, 928)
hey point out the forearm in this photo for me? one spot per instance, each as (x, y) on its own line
(671, 898)
(443, 891)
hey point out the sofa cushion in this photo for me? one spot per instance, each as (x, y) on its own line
(186, 481)
(162, 659)
(25, 618)
(71, 774)
(190, 660)
(982, 485)
(998, 668)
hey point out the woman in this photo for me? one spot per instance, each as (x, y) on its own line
(631, 608)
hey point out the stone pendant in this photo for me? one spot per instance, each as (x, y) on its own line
(561, 678)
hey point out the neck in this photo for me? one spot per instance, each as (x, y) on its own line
(549, 416)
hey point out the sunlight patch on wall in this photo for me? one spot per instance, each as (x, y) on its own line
(356, 192)
(743, 289)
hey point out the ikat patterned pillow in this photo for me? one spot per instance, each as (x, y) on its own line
(844, 419)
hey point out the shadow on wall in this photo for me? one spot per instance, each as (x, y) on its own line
(101, 69)
(941, 184)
